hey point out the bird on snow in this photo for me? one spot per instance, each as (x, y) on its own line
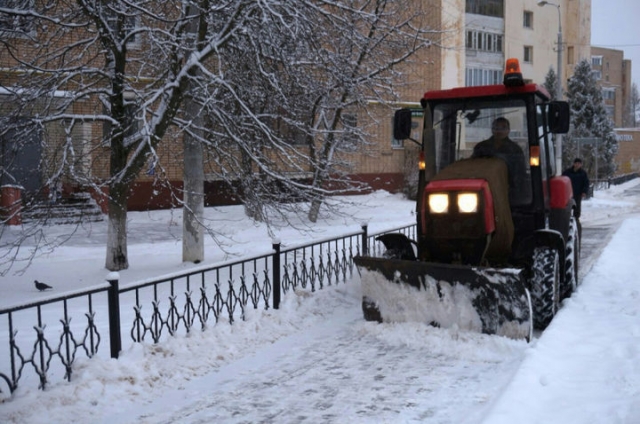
(41, 286)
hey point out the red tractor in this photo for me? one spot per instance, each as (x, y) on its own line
(498, 244)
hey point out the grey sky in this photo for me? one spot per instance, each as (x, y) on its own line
(615, 24)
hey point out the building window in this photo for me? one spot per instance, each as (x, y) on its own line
(528, 54)
(396, 144)
(14, 23)
(527, 19)
(286, 128)
(596, 74)
(132, 124)
(475, 77)
(570, 55)
(350, 135)
(484, 41)
(606, 94)
(416, 121)
(596, 60)
(609, 94)
(486, 7)
(129, 24)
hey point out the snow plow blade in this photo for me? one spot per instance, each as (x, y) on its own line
(486, 300)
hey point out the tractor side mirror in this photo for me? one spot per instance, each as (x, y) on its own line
(559, 117)
(402, 124)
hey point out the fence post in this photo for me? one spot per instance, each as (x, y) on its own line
(115, 339)
(276, 274)
(365, 238)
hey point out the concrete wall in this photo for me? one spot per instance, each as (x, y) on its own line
(575, 18)
(453, 58)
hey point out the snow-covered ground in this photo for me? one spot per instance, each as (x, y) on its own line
(316, 360)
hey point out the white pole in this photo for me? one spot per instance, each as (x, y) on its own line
(559, 94)
(542, 3)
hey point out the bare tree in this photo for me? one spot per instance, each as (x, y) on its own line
(268, 96)
(308, 77)
(136, 60)
(370, 40)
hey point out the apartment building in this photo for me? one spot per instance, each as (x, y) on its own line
(497, 30)
(613, 73)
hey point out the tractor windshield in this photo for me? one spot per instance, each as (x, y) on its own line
(484, 129)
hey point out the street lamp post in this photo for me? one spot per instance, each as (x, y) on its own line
(542, 3)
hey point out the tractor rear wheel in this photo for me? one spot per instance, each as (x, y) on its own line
(572, 259)
(545, 288)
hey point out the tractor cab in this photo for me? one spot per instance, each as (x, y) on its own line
(513, 122)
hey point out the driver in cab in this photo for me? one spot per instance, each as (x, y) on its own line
(501, 146)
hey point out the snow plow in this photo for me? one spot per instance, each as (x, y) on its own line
(497, 243)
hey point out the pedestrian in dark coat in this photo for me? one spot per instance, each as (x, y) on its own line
(579, 183)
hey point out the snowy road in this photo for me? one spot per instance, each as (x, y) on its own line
(348, 370)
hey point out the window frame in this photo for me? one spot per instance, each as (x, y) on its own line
(350, 139)
(527, 19)
(15, 26)
(527, 54)
(609, 93)
(131, 108)
(131, 23)
(490, 42)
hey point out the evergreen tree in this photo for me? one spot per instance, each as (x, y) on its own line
(550, 81)
(589, 119)
(633, 108)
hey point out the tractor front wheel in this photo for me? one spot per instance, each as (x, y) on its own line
(572, 260)
(545, 282)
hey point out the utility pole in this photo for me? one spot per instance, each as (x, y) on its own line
(542, 3)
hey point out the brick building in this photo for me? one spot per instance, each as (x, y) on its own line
(628, 158)
(475, 38)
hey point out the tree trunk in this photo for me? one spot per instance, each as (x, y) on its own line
(117, 257)
(193, 209)
(314, 210)
(193, 164)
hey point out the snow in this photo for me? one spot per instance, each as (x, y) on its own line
(315, 360)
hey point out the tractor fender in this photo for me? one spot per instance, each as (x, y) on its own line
(554, 240)
(561, 193)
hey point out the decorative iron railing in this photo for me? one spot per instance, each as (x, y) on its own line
(156, 309)
(44, 350)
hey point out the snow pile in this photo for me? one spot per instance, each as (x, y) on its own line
(586, 366)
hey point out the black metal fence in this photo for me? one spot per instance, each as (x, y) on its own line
(604, 184)
(35, 348)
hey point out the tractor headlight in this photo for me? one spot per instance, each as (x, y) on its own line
(468, 202)
(438, 203)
